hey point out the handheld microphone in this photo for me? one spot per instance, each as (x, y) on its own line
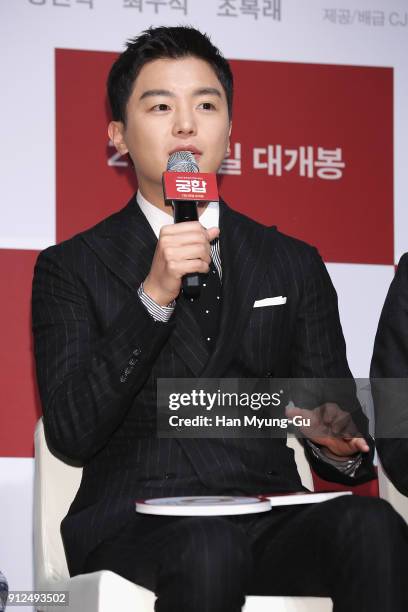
(184, 185)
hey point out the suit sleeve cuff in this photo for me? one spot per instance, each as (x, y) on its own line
(348, 467)
(157, 312)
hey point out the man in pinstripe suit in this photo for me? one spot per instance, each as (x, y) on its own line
(108, 320)
(390, 361)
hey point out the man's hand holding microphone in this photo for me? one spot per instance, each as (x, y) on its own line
(182, 248)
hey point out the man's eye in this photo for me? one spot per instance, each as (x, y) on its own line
(161, 107)
(207, 105)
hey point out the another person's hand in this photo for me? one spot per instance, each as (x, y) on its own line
(331, 428)
(182, 248)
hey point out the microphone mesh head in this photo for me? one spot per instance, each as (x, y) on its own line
(182, 161)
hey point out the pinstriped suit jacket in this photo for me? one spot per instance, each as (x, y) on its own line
(89, 326)
(390, 360)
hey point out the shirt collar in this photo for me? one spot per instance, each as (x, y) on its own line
(157, 217)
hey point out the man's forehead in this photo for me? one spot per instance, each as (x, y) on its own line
(171, 73)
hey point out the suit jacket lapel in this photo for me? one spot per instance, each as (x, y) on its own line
(244, 256)
(126, 243)
(187, 339)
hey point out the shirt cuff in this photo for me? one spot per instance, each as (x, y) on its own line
(348, 467)
(157, 312)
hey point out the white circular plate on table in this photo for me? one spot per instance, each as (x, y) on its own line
(203, 505)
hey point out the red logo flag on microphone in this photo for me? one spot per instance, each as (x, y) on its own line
(190, 186)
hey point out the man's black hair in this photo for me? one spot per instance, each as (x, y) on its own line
(162, 43)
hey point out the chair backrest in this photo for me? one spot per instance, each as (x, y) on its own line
(387, 491)
(302, 464)
(55, 486)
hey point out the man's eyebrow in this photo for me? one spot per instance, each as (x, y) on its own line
(156, 92)
(202, 91)
(207, 91)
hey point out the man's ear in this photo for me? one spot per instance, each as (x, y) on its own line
(116, 132)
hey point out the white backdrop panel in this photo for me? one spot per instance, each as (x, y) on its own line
(16, 509)
(31, 32)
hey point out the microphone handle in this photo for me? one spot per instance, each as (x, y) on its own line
(185, 210)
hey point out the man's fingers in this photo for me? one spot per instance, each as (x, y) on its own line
(304, 413)
(189, 251)
(338, 421)
(315, 428)
(292, 411)
(189, 226)
(333, 415)
(185, 234)
(329, 412)
(359, 444)
(342, 425)
(180, 228)
(193, 236)
(344, 448)
(337, 433)
(189, 266)
(327, 420)
(340, 448)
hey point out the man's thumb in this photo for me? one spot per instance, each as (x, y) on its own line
(212, 233)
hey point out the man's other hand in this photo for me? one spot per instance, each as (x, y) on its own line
(331, 428)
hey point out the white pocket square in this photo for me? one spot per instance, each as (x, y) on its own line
(272, 301)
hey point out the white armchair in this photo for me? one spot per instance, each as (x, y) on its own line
(387, 491)
(55, 486)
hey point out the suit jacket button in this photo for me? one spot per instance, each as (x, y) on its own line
(136, 352)
(169, 475)
(269, 374)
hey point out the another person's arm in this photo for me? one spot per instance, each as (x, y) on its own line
(389, 373)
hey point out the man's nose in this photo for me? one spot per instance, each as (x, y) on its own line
(184, 123)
